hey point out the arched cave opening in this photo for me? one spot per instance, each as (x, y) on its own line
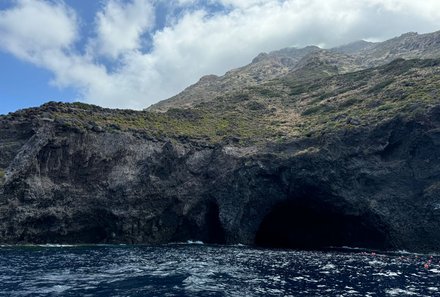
(202, 224)
(310, 224)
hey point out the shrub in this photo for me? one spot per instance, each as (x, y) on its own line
(240, 97)
(253, 105)
(311, 110)
(348, 102)
(269, 93)
(297, 90)
(318, 109)
(380, 86)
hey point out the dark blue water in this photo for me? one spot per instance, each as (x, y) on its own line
(199, 270)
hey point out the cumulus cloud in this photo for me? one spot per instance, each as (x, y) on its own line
(243, 3)
(115, 68)
(32, 27)
(120, 25)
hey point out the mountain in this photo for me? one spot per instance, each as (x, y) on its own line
(321, 154)
(265, 67)
(407, 46)
(354, 47)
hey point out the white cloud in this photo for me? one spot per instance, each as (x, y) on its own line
(120, 26)
(243, 3)
(33, 26)
(196, 42)
(186, 2)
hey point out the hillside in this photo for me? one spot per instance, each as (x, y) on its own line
(310, 103)
(265, 67)
(317, 144)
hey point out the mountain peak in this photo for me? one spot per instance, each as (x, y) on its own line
(409, 34)
(260, 57)
(353, 47)
(208, 78)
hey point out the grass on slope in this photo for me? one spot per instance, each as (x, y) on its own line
(276, 111)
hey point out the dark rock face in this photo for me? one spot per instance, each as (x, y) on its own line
(292, 154)
(374, 187)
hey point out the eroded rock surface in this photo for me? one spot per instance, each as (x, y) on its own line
(284, 152)
(372, 186)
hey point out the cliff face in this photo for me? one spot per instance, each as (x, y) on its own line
(311, 159)
(371, 186)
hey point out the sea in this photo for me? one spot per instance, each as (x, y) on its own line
(196, 269)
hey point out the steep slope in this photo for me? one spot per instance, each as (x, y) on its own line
(354, 47)
(285, 163)
(291, 61)
(263, 68)
(407, 46)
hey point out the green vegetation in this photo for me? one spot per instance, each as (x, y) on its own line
(349, 102)
(267, 92)
(312, 110)
(380, 86)
(277, 111)
(298, 90)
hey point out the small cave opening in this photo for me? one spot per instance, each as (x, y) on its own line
(309, 224)
(202, 224)
(216, 233)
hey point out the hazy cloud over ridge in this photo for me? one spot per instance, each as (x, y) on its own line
(127, 62)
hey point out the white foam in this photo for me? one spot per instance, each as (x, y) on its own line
(388, 273)
(399, 292)
(194, 242)
(328, 267)
(57, 289)
(376, 263)
(305, 279)
(55, 245)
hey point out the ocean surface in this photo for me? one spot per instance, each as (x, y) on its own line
(204, 270)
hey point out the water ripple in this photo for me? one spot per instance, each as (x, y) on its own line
(203, 270)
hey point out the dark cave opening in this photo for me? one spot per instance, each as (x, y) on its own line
(208, 230)
(313, 225)
(216, 233)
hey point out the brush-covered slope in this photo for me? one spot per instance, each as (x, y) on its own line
(265, 67)
(308, 160)
(312, 102)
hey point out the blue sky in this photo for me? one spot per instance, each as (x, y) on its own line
(133, 53)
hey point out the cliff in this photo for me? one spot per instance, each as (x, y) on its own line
(302, 161)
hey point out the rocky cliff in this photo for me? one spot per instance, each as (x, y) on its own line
(301, 161)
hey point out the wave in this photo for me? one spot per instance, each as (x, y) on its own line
(49, 245)
(195, 242)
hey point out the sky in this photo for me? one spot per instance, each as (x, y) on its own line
(133, 53)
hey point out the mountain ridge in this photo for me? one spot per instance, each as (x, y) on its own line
(267, 66)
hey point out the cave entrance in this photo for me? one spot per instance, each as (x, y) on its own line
(216, 233)
(209, 229)
(316, 226)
